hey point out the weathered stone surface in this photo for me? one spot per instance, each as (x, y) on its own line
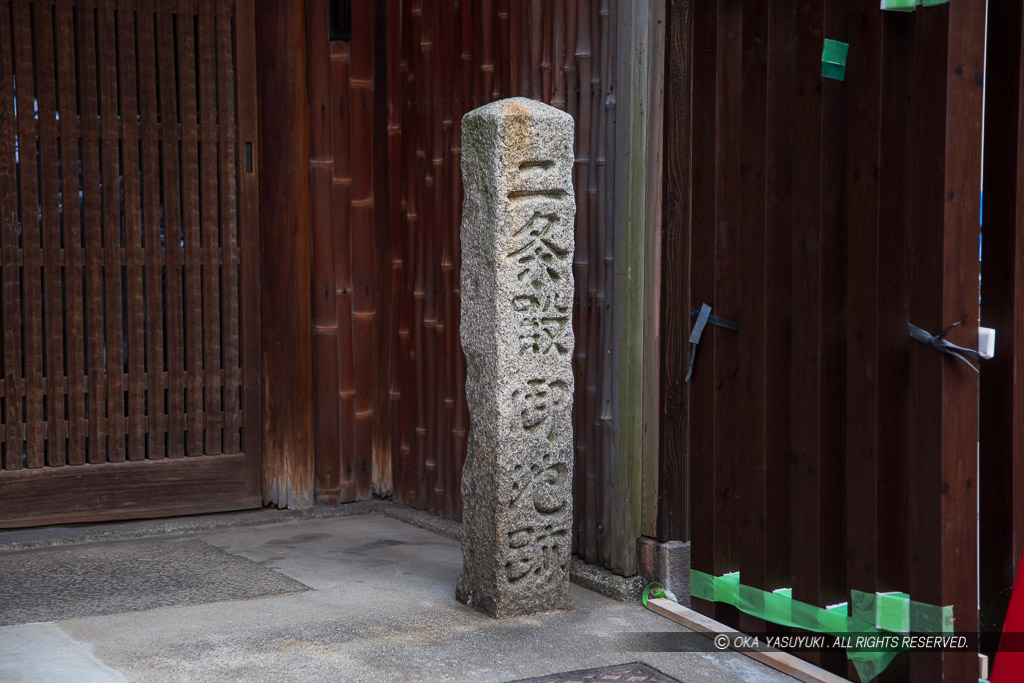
(517, 291)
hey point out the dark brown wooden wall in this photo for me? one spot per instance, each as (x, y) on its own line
(386, 109)
(829, 451)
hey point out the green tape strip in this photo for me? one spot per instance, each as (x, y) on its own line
(727, 588)
(833, 59)
(866, 613)
(702, 586)
(910, 4)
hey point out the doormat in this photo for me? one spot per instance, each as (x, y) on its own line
(635, 672)
(111, 578)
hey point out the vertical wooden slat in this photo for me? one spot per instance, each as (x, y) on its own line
(14, 387)
(586, 263)
(726, 299)
(49, 199)
(341, 219)
(192, 285)
(69, 55)
(389, 480)
(89, 23)
(673, 484)
(363, 304)
(173, 217)
(651, 364)
(892, 537)
(210, 233)
(448, 215)
(32, 294)
(385, 38)
(951, 478)
(628, 238)
(325, 307)
(132, 236)
(805, 397)
(603, 258)
(113, 243)
(702, 483)
(834, 165)
(250, 356)
(779, 285)
(228, 192)
(924, 263)
(603, 224)
(154, 232)
(862, 301)
(752, 394)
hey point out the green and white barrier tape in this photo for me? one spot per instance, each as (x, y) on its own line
(865, 614)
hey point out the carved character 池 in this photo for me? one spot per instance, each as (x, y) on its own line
(547, 482)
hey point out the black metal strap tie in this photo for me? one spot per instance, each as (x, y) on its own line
(704, 317)
(938, 341)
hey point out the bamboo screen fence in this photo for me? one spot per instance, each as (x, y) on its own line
(386, 109)
(122, 212)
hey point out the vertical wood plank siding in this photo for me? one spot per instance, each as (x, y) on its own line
(386, 109)
(126, 226)
(830, 452)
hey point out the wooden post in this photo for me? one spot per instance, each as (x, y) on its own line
(623, 514)
(653, 127)
(285, 268)
(674, 289)
(944, 148)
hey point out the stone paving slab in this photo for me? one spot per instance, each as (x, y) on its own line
(109, 578)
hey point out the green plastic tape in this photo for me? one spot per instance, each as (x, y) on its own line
(910, 5)
(702, 586)
(897, 613)
(727, 588)
(865, 613)
(833, 59)
(652, 590)
(778, 606)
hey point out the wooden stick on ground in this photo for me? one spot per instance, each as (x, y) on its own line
(780, 661)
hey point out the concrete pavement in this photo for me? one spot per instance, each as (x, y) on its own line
(380, 607)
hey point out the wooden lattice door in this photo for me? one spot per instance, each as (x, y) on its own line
(128, 259)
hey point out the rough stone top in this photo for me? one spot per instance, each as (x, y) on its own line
(518, 107)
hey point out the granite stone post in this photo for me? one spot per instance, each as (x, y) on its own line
(517, 292)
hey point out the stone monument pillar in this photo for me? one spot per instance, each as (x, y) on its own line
(517, 290)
